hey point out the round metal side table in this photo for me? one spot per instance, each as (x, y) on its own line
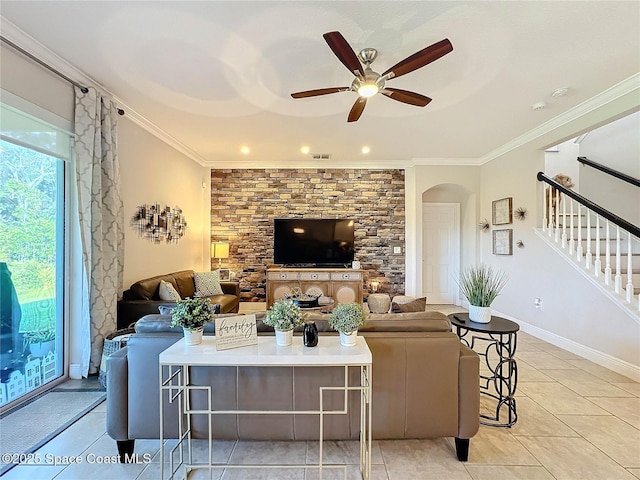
(500, 337)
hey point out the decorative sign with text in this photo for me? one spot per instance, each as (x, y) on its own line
(233, 332)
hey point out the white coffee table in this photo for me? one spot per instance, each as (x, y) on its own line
(176, 360)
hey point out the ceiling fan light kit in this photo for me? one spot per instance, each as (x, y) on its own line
(368, 82)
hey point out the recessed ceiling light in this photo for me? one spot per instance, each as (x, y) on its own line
(305, 149)
(365, 149)
(245, 150)
(561, 92)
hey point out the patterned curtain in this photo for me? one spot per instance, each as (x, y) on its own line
(101, 220)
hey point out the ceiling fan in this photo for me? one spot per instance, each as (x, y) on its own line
(367, 82)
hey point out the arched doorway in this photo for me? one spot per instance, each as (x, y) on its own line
(447, 228)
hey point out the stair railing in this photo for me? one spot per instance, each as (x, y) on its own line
(609, 171)
(554, 223)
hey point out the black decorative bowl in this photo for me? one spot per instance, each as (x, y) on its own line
(305, 301)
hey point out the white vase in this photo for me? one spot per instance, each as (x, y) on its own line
(348, 339)
(284, 338)
(192, 337)
(479, 314)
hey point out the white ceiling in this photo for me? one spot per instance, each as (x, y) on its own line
(218, 75)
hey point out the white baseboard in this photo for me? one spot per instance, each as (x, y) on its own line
(75, 372)
(603, 359)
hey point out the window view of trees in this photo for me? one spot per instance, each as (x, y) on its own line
(28, 248)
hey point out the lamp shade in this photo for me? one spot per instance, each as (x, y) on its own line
(220, 250)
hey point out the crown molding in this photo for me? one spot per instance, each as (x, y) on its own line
(308, 163)
(31, 45)
(444, 161)
(627, 86)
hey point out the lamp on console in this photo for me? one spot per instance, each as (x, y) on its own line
(219, 250)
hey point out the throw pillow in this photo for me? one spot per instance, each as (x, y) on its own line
(207, 283)
(168, 292)
(165, 309)
(418, 305)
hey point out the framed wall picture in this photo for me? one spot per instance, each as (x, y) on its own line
(502, 212)
(503, 242)
(225, 274)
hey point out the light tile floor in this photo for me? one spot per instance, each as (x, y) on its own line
(576, 421)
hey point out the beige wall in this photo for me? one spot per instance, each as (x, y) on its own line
(573, 311)
(440, 184)
(151, 172)
(617, 146)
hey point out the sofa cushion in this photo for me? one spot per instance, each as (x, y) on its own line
(184, 281)
(166, 309)
(207, 283)
(147, 289)
(417, 305)
(168, 292)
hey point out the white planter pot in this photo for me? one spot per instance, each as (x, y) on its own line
(192, 337)
(348, 339)
(284, 338)
(479, 314)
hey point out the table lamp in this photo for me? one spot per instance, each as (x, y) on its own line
(219, 250)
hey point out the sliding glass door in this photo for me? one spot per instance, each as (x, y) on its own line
(32, 241)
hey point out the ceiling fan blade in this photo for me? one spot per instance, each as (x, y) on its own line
(405, 96)
(319, 91)
(344, 52)
(420, 59)
(357, 109)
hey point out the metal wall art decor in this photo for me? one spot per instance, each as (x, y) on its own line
(484, 225)
(158, 224)
(521, 213)
(502, 211)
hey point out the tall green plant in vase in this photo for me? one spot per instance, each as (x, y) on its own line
(480, 284)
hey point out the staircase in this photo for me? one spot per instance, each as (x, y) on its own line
(603, 247)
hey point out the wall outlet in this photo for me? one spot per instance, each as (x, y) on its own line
(397, 249)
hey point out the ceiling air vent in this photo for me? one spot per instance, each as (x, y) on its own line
(321, 156)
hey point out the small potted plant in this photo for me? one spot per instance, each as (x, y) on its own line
(346, 318)
(40, 342)
(192, 314)
(480, 284)
(283, 316)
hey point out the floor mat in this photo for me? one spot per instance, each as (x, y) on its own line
(33, 425)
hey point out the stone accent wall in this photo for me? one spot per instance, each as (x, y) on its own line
(245, 202)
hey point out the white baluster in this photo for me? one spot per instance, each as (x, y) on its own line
(607, 256)
(572, 242)
(588, 257)
(556, 214)
(579, 248)
(545, 214)
(564, 223)
(629, 288)
(597, 268)
(618, 278)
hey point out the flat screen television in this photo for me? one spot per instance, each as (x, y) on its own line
(313, 241)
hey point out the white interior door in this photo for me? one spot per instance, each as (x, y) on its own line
(440, 252)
